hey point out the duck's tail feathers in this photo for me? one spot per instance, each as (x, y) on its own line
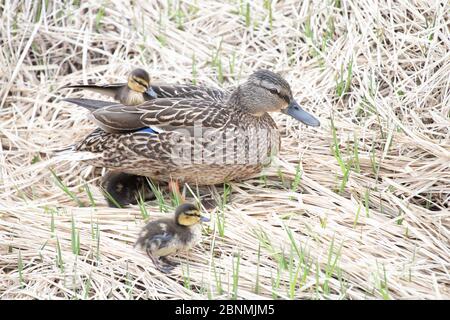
(90, 104)
(107, 90)
(70, 153)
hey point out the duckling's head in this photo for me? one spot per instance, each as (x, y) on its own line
(139, 80)
(266, 91)
(188, 215)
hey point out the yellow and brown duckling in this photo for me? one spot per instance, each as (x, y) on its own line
(137, 90)
(163, 237)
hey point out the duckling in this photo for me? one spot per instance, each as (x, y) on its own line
(163, 237)
(123, 189)
(136, 91)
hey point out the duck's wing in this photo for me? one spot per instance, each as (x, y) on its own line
(190, 92)
(109, 90)
(156, 234)
(155, 242)
(164, 114)
(90, 104)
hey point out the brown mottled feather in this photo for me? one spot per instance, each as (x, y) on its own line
(157, 155)
(164, 113)
(109, 90)
(190, 92)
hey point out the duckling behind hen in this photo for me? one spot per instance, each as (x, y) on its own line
(137, 90)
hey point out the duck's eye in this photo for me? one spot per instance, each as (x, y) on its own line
(140, 82)
(273, 91)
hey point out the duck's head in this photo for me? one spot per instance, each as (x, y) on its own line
(266, 91)
(139, 80)
(188, 215)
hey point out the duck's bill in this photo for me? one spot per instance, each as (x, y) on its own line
(151, 93)
(204, 219)
(296, 112)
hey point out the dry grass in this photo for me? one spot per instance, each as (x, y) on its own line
(368, 212)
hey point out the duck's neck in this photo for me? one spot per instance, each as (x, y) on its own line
(234, 101)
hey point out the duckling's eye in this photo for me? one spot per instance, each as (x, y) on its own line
(140, 82)
(192, 213)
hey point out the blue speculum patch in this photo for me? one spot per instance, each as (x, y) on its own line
(147, 130)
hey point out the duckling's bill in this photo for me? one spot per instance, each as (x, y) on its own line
(204, 219)
(296, 112)
(151, 93)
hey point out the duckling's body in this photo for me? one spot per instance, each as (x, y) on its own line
(139, 89)
(171, 237)
(200, 141)
(136, 91)
(123, 189)
(164, 237)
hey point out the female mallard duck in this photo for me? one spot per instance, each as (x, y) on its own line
(164, 237)
(197, 141)
(137, 90)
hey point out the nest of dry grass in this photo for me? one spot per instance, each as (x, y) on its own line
(355, 209)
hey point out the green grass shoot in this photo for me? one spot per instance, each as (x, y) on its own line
(142, 207)
(20, 269)
(343, 84)
(110, 198)
(59, 258)
(247, 15)
(297, 178)
(98, 18)
(217, 278)
(75, 238)
(236, 275)
(268, 7)
(194, 69)
(332, 265)
(159, 196)
(257, 269)
(65, 189)
(344, 165)
(89, 194)
(186, 276)
(267, 244)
